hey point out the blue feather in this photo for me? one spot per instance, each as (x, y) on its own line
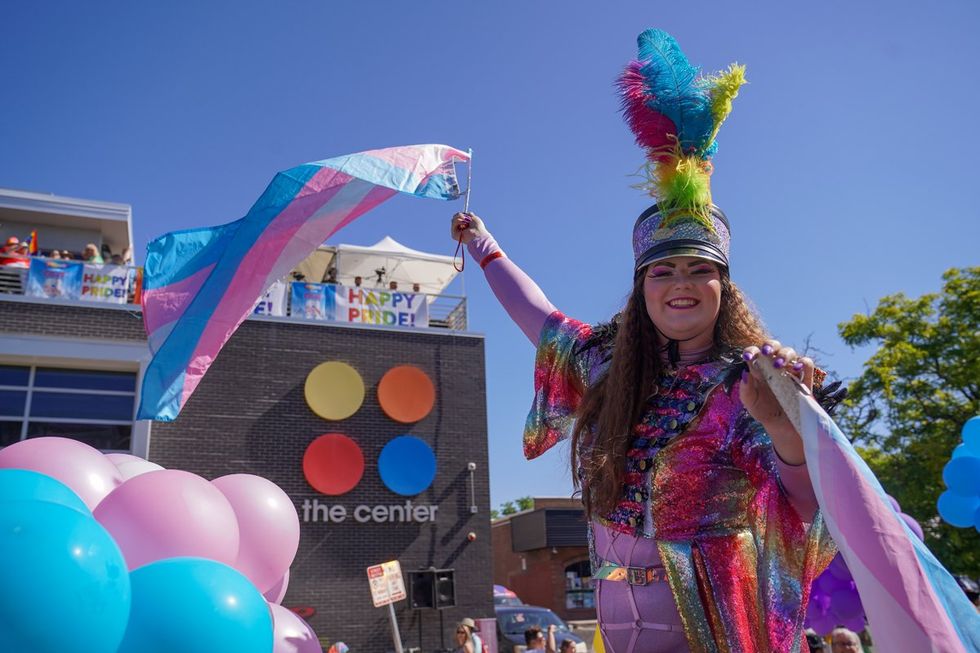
(677, 91)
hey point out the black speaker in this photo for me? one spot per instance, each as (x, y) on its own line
(421, 588)
(445, 588)
(432, 588)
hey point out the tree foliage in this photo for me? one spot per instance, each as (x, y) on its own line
(915, 393)
(511, 507)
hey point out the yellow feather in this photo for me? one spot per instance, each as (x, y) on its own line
(725, 90)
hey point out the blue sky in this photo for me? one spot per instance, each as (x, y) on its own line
(846, 168)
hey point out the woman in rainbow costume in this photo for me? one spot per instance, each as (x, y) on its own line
(704, 527)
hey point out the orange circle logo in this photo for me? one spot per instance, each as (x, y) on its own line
(406, 394)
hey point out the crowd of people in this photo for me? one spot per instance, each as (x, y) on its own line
(17, 253)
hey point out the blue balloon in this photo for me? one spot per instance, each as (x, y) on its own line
(957, 509)
(194, 605)
(64, 581)
(962, 475)
(25, 485)
(971, 435)
(963, 450)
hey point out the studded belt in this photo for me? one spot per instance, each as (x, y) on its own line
(632, 575)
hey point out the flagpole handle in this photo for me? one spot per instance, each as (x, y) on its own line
(469, 181)
(785, 388)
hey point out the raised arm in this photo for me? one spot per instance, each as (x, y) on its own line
(517, 293)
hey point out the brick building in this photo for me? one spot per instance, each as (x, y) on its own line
(542, 555)
(250, 415)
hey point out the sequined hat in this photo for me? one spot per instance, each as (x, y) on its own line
(656, 237)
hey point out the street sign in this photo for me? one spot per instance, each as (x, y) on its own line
(386, 582)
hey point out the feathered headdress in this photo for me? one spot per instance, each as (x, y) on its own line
(675, 113)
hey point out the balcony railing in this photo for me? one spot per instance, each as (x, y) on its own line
(444, 311)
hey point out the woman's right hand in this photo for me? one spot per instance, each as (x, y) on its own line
(467, 226)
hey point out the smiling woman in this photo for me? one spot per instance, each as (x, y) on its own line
(702, 519)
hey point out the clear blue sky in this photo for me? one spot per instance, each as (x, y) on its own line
(847, 167)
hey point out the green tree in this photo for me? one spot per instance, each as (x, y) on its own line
(511, 507)
(525, 503)
(907, 408)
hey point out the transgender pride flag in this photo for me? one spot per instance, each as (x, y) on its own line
(200, 284)
(913, 604)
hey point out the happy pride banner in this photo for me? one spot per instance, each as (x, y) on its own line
(376, 306)
(315, 301)
(273, 302)
(106, 283)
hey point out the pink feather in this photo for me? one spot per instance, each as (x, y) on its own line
(651, 129)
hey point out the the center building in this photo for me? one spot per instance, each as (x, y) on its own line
(377, 433)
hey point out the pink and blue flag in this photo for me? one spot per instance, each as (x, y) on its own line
(200, 284)
(911, 601)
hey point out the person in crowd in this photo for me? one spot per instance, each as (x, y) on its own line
(358, 281)
(14, 254)
(567, 646)
(843, 640)
(91, 255)
(416, 287)
(54, 254)
(467, 641)
(68, 256)
(814, 642)
(536, 640)
(117, 259)
(392, 285)
(127, 256)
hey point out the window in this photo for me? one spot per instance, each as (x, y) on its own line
(578, 586)
(93, 406)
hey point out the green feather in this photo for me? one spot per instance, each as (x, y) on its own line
(725, 89)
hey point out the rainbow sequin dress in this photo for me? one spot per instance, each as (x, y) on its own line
(702, 498)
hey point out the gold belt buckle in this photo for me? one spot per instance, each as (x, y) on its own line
(636, 575)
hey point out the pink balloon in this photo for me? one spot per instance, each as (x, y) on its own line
(130, 466)
(914, 525)
(277, 592)
(169, 514)
(290, 634)
(82, 468)
(268, 524)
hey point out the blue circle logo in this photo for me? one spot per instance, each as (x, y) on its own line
(407, 465)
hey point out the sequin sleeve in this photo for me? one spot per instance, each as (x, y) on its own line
(790, 552)
(562, 372)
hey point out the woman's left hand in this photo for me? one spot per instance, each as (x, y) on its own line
(762, 404)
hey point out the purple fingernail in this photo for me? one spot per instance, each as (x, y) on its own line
(797, 366)
(767, 350)
(745, 376)
(748, 356)
(779, 362)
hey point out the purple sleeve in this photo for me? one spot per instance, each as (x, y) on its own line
(517, 293)
(795, 480)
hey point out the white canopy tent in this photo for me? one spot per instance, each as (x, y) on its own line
(406, 266)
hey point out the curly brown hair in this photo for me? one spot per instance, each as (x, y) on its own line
(616, 402)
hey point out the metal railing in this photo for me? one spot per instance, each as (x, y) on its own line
(445, 311)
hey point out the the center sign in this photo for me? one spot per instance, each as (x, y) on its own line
(386, 582)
